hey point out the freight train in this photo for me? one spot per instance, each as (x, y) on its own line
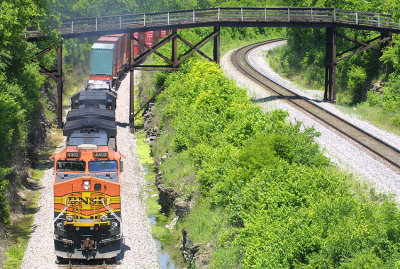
(110, 55)
(87, 203)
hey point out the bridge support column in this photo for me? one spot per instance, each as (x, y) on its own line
(174, 56)
(217, 54)
(56, 75)
(330, 66)
(132, 87)
(132, 99)
(60, 87)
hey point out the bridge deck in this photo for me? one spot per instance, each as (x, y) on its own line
(227, 16)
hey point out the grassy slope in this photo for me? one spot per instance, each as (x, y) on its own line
(228, 220)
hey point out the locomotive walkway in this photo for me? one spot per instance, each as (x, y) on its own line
(304, 17)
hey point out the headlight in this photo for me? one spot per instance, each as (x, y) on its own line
(86, 185)
(103, 218)
(69, 218)
(115, 224)
(59, 225)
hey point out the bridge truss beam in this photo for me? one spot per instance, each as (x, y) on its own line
(331, 55)
(56, 75)
(174, 62)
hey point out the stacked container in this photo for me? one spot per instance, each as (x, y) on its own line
(102, 61)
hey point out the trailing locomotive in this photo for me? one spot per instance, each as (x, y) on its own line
(87, 203)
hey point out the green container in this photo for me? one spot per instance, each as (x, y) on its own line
(102, 59)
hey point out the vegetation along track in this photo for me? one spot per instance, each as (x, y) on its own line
(369, 141)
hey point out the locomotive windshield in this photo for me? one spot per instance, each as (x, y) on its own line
(103, 166)
(70, 166)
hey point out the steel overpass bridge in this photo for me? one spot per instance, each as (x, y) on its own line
(293, 17)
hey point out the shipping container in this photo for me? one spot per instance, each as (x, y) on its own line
(149, 38)
(101, 77)
(164, 33)
(124, 51)
(118, 49)
(102, 59)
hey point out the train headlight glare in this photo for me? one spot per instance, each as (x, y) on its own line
(69, 218)
(86, 185)
(115, 224)
(59, 225)
(103, 218)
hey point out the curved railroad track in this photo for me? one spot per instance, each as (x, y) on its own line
(366, 140)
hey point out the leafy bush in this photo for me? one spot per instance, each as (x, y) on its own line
(357, 78)
(19, 86)
(282, 204)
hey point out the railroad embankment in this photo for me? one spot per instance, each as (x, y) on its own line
(243, 188)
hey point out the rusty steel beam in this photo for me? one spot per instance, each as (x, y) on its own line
(331, 60)
(365, 48)
(193, 47)
(332, 96)
(131, 86)
(327, 53)
(156, 68)
(361, 43)
(153, 49)
(41, 53)
(330, 66)
(150, 99)
(60, 87)
(217, 41)
(197, 46)
(56, 75)
(174, 53)
(357, 46)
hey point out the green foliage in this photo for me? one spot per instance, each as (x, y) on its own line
(266, 197)
(304, 54)
(19, 84)
(356, 81)
(389, 98)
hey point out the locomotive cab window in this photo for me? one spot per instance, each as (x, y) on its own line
(71, 166)
(103, 166)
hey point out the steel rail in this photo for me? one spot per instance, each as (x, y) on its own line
(367, 140)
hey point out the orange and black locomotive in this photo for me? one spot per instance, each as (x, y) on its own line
(87, 204)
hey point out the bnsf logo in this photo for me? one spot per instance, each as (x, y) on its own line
(84, 200)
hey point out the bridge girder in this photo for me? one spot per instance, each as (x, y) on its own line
(331, 55)
(174, 62)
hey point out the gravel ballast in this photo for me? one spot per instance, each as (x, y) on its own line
(139, 249)
(345, 153)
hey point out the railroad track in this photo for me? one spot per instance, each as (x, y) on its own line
(84, 264)
(366, 140)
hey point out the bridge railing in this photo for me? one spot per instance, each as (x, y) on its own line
(228, 14)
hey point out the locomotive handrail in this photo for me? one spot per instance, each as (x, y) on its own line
(62, 212)
(178, 18)
(111, 211)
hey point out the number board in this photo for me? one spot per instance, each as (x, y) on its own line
(100, 154)
(72, 154)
